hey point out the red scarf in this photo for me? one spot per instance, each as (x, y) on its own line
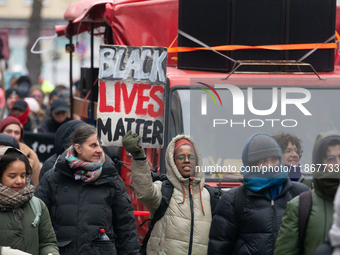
(24, 117)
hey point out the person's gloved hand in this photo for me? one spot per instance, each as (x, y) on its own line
(130, 144)
(5, 250)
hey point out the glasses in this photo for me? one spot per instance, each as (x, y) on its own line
(181, 158)
(290, 151)
(37, 96)
(332, 159)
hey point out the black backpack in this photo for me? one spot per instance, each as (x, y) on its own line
(167, 190)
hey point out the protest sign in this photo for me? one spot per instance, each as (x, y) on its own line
(41, 143)
(131, 94)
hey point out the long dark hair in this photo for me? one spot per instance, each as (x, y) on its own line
(10, 156)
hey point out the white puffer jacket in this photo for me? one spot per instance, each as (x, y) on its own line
(171, 234)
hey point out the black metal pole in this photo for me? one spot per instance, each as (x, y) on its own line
(71, 71)
(91, 77)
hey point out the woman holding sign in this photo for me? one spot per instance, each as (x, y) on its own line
(86, 196)
(184, 228)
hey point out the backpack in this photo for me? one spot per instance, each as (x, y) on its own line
(36, 207)
(305, 206)
(166, 191)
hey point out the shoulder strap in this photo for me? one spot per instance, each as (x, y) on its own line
(215, 195)
(166, 190)
(305, 206)
(240, 202)
(36, 207)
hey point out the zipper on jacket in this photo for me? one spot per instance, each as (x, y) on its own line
(274, 221)
(192, 217)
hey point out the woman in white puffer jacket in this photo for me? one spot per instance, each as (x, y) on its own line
(184, 229)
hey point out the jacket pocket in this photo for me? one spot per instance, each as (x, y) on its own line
(64, 246)
(104, 247)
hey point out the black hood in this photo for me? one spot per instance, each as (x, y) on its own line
(65, 133)
(8, 141)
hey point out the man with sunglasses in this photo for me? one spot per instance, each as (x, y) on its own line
(291, 147)
(326, 173)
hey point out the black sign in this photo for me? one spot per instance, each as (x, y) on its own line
(41, 143)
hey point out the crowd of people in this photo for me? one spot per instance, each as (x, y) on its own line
(37, 111)
(77, 203)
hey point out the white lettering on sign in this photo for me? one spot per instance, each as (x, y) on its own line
(131, 94)
(112, 64)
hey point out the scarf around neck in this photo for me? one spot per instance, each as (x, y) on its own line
(257, 181)
(24, 117)
(90, 171)
(294, 172)
(13, 200)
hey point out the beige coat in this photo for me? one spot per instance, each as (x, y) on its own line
(34, 162)
(171, 234)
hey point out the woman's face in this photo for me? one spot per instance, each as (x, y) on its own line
(59, 117)
(14, 176)
(268, 162)
(185, 160)
(90, 151)
(13, 130)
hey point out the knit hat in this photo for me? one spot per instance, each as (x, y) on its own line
(263, 146)
(8, 140)
(11, 120)
(59, 105)
(181, 142)
(12, 91)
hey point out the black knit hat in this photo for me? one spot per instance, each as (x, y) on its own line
(12, 91)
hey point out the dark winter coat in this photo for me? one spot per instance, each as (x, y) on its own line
(50, 126)
(260, 222)
(321, 213)
(324, 249)
(78, 210)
